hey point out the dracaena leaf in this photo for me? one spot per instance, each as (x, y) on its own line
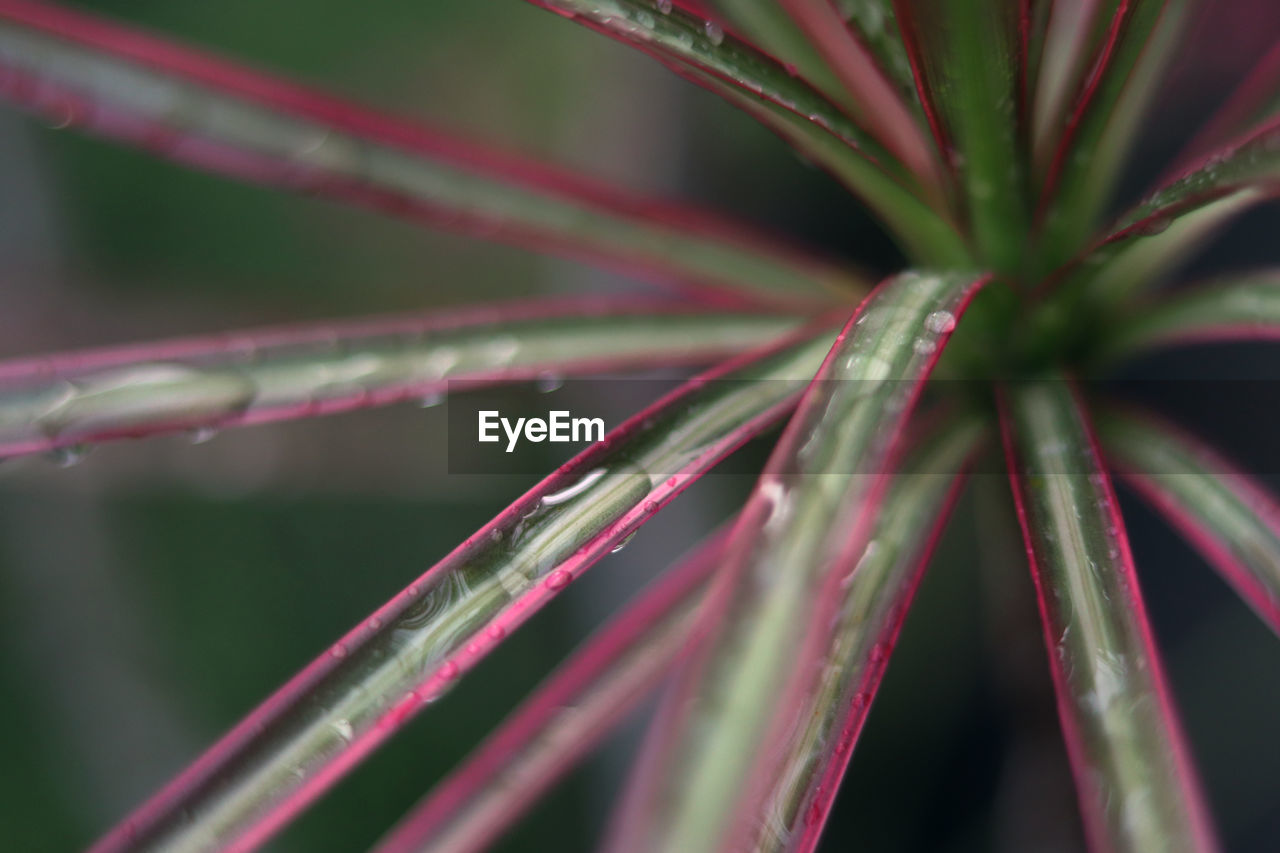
(966, 62)
(563, 719)
(1256, 101)
(707, 55)
(1100, 124)
(1133, 777)
(875, 100)
(859, 640)
(84, 71)
(264, 375)
(715, 757)
(1239, 308)
(1157, 234)
(412, 650)
(1228, 516)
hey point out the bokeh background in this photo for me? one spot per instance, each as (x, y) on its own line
(154, 592)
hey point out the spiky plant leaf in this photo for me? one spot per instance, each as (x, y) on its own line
(1099, 126)
(704, 53)
(1238, 308)
(966, 61)
(263, 375)
(84, 71)
(413, 649)
(1228, 516)
(873, 602)
(717, 753)
(563, 719)
(1133, 776)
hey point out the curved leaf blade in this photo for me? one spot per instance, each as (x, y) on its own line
(715, 753)
(1112, 98)
(406, 655)
(261, 376)
(861, 638)
(1133, 776)
(82, 70)
(1234, 309)
(701, 52)
(967, 65)
(1229, 518)
(563, 719)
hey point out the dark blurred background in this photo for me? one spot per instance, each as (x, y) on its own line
(156, 591)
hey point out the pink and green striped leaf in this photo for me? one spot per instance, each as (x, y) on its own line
(702, 52)
(1229, 517)
(82, 70)
(408, 653)
(967, 65)
(1239, 308)
(563, 719)
(1133, 776)
(1105, 113)
(258, 376)
(714, 759)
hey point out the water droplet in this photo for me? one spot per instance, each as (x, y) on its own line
(375, 623)
(65, 457)
(651, 506)
(715, 34)
(664, 6)
(548, 382)
(496, 631)
(616, 548)
(925, 346)
(344, 730)
(200, 435)
(558, 579)
(448, 671)
(588, 480)
(940, 322)
(433, 398)
(339, 651)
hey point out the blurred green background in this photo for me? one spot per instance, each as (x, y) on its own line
(152, 594)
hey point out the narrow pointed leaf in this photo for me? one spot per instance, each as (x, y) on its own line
(716, 754)
(347, 702)
(1133, 776)
(877, 103)
(858, 642)
(925, 237)
(82, 70)
(1101, 123)
(1235, 309)
(1255, 102)
(1072, 35)
(705, 54)
(258, 376)
(1228, 516)
(1160, 232)
(966, 61)
(563, 719)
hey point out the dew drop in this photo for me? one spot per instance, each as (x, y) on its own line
(664, 6)
(496, 632)
(924, 346)
(431, 399)
(651, 506)
(940, 322)
(715, 34)
(344, 730)
(375, 623)
(548, 382)
(671, 481)
(65, 457)
(448, 671)
(616, 548)
(558, 579)
(200, 435)
(339, 651)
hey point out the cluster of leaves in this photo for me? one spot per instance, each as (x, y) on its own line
(987, 137)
